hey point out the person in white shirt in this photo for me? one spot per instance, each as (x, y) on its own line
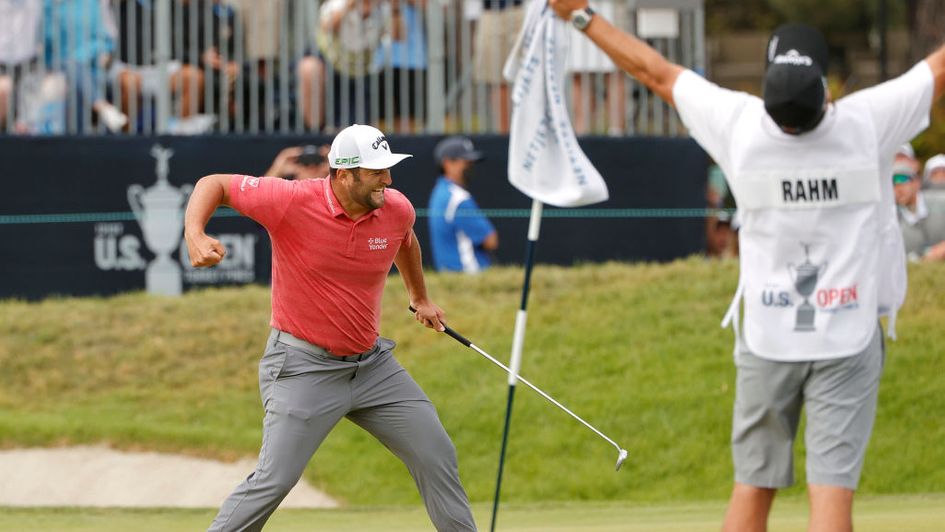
(934, 172)
(821, 253)
(921, 215)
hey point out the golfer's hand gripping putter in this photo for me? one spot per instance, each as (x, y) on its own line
(621, 452)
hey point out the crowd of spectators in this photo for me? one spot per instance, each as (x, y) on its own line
(83, 66)
(920, 202)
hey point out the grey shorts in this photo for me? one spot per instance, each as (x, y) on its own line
(839, 396)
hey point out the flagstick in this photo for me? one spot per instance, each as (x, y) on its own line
(518, 340)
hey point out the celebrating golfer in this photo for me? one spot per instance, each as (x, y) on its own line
(333, 243)
(821, 257)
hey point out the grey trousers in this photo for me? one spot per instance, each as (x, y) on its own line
(306, 391)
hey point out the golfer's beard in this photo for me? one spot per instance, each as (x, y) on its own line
(469, 174)
(368, 200)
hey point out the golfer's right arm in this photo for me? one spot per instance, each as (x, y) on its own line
(632, 55)
(209, 193)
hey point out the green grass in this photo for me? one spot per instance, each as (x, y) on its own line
(634, 349)
(872, 514)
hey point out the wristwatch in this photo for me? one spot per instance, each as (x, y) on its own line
(581, 18)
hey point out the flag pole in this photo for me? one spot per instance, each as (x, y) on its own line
(518, 341)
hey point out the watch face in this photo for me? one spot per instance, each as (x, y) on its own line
(581, 18)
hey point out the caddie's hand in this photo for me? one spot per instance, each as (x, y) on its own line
(563, 8)
(429, 314)
(204, 250)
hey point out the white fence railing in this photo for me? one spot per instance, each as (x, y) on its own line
(295, 66)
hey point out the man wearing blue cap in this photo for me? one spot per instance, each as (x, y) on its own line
(461, 237)
(821, 256)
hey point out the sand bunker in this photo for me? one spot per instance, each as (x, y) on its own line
(99, 476)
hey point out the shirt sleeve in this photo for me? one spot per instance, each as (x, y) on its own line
(470, 220)
(708, 111)
(264, 199)
(900, 107)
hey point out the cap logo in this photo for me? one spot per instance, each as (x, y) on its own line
(773, 48)
(347, 160)
(793, 57)
(381, 142)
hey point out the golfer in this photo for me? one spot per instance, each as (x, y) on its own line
(333, 243)
(821, 257)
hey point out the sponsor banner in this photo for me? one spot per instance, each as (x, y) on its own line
(82, 216)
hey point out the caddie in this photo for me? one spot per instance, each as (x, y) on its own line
(333, 243)
(821, 255)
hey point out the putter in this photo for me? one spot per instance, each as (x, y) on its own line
(621, 452)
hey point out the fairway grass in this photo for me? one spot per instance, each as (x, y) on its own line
(916, 513)
(635, 349)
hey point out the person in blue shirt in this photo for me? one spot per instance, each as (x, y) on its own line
(461, 237)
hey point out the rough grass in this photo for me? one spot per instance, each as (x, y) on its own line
(634, 349)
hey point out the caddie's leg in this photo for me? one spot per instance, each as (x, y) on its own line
(831, 508)
(393, 408)
(840, 398)
(304, 397)
(764, 423)
(748, 509)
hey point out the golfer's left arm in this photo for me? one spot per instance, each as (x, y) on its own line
(410, 265)
(632, 55)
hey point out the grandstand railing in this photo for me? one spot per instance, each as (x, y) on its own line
(271, 66)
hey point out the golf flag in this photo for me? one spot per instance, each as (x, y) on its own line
(545, 160)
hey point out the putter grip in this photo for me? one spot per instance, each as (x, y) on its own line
(456, 336)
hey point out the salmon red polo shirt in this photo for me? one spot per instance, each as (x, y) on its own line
(328, 271)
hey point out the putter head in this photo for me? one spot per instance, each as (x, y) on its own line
(620, 458)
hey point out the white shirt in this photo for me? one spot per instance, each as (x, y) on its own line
(19, 30)
(921, 211)
(828, 190)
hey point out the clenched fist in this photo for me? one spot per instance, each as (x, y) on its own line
(204, 250)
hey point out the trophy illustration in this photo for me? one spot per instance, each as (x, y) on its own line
(805, 281)
(160, 213)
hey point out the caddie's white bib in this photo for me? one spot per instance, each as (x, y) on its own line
(809, 251)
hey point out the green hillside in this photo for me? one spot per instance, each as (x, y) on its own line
(634, 349)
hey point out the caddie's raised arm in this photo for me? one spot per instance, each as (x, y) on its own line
(632, 55)
(936, 61)
(210, 192)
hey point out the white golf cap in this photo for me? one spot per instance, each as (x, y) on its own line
(934, 163)
(906, 149)
(362, 146)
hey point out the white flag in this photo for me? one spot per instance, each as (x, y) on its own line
(545, 160)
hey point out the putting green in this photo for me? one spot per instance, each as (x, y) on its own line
(916, 513)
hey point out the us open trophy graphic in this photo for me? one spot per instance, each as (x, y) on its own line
(160, 213)
(805, 281)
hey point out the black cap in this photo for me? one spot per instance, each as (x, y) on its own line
(310, 156)
(794, 82)
(457, 147)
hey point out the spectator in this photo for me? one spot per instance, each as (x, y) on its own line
(300, 162)
(587, 65)
(402, 62)
(79, 38)
(349, 32)
(134, 67)
(721, 238)
(498, 27)
(207, 45)
(935, 173)
(461, 237)
(921, 216)
(264, 25)
(19, 43)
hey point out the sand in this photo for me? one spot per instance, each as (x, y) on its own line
(100, 476)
